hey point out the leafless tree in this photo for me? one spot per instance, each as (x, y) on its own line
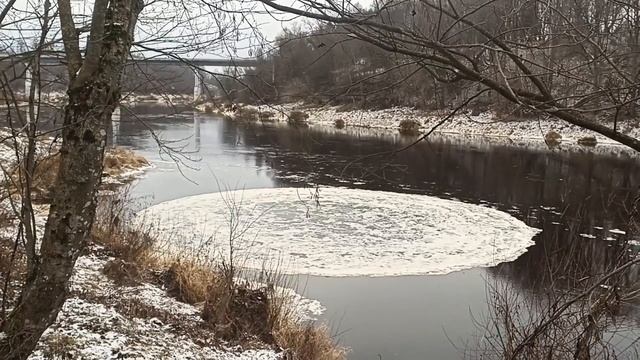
(93, 92)
(95, 49)
(574, 61)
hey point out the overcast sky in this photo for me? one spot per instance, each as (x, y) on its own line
(167, 23)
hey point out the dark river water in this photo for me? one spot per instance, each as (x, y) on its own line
(575, 197)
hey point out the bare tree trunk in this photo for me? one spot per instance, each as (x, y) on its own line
(92, 99)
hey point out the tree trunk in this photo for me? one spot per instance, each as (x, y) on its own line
(71, 215)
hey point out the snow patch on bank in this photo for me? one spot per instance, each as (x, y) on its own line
(93, 330)
(344, 232)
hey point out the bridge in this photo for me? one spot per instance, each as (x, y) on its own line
(196, 64)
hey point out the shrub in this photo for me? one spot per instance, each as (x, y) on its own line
(266, 116)
(246, 114)
(298, 118)
(238, 312)
(552, 138)
(409, 127)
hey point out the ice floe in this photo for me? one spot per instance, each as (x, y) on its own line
(342, 232)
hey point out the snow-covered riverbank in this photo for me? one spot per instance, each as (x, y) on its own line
(485, 124)
(106, 319)
(102, 320)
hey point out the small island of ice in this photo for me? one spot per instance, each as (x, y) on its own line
(342, 232)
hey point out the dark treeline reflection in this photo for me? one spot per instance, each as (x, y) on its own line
(576, 197)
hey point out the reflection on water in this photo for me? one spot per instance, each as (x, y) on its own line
(579, 199)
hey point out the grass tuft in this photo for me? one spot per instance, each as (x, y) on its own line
(119, 160)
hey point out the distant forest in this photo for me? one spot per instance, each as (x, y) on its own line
(585, 46)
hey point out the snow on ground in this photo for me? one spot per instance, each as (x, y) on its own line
(59, 98)
(347, 232)
(127, 175)
(96, 329)
(157, 99)
(7, 153)
(484, 124)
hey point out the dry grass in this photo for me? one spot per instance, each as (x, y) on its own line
(44, 176)
(187, 281)
(128, 245)
(116, 162)
(120, 160)
(59, 347)
(308, 342)
(239, 312)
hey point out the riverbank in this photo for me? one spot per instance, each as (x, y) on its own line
(59, 98)
(485, 124)
(129, 298)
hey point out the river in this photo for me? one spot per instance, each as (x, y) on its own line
(578, 198)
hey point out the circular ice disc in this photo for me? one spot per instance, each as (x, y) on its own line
(341, 232)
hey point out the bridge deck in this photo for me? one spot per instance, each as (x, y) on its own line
(198, 62)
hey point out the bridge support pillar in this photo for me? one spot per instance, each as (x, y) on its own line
(197, 85)
(27, 82)
(113, 130)
(196, 130)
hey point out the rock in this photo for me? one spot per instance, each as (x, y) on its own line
(588, 141)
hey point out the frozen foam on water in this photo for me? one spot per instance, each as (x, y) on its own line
(344, 232)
